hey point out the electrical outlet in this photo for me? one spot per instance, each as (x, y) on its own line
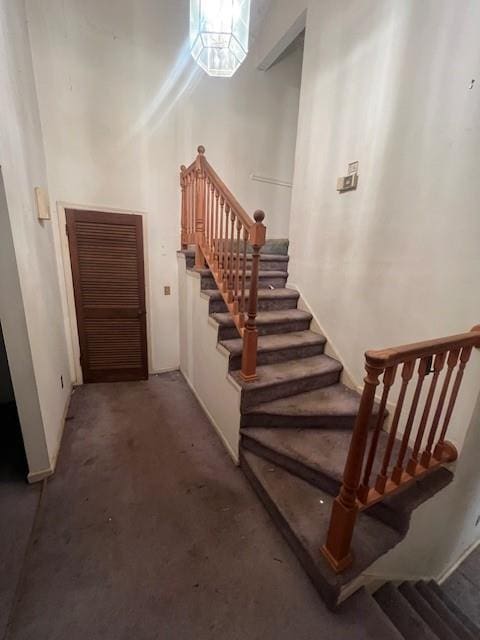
(166, 291)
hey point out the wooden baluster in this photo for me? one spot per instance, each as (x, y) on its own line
(407, 373)
(212, 222)
(226, 248)
(236, 290)
(388, 380)
(444, 450)
(183, 217)
(216, 232)
(200, 210)
(231, 268)
(413, 464)
(337, 548)
(207, 214)
(243, 279)
(250, 332)
(451, 364)
(220, 239)
(397, 472)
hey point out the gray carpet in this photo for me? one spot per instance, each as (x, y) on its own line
(149, 531)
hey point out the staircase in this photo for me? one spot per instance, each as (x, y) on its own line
(296, 425)
(340, 473)
(422, 611)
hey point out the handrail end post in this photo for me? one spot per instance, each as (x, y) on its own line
(476, 329)
(248, 372)
(337, 548)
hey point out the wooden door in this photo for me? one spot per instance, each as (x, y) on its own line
(106, 252)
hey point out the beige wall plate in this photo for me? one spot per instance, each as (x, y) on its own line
(43, 206)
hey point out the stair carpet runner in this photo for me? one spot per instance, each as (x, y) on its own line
(296, 422)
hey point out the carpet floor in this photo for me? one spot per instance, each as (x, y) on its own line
(149, 531)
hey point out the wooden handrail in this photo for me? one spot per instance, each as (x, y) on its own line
(227, 194)
(394, 355)
(423, 445)
(213, 220)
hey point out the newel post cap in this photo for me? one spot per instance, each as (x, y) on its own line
(476, 329)
(201, 150)
(259, 216)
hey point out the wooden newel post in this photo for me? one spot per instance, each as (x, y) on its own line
(337, 548)
(250, 333)
(183, 210)
(199, 209)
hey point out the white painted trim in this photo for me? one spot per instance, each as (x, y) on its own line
(280, 183)
(38, 476)
(285, 41)
(226, 444)
(72, 339)
(347, 377)
(448, 572)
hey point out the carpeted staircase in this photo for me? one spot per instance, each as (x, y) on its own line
(296, 426)
(422, 611)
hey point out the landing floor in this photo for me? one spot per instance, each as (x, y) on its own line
(148, 531)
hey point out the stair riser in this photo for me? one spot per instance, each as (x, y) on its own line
(313, 477)
(252, 396)
(281, 355)
(266, 265)
(303, 422)
(229, 333)
(294, 543)
(266, 304)
(264, 282)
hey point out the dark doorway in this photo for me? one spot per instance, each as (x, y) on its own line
(13, 463)
(106, 252)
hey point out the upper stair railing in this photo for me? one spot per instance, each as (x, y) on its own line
(423, 447)
(213, 220)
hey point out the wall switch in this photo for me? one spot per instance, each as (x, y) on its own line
(347, 183)
(43, 207)
(166, 291)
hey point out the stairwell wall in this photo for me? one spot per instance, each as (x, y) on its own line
(123, 105)
(30, 304)
(389, 84)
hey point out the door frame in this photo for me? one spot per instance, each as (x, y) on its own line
(71, 326)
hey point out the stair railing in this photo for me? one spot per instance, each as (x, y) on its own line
(213, 220)
(423, 447)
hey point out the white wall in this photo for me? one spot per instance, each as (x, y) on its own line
(33, 322)
(204, 363)
(123, 105)
(387, 84)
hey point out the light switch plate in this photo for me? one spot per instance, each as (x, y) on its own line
(43, 206)
(347, 183)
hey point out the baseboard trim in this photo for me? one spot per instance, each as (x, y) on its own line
(448, 572)
(226, 444)
(38, 476)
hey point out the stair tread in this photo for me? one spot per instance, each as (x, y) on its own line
(280, 372)
(304, 515)
(411, 625)
(323, 450)
(423, 608)
(276, 341)
(266, 317)
(335, 400)
(468, 623)
(280, 293)
(449, 617)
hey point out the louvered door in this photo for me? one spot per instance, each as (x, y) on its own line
(106, 251)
